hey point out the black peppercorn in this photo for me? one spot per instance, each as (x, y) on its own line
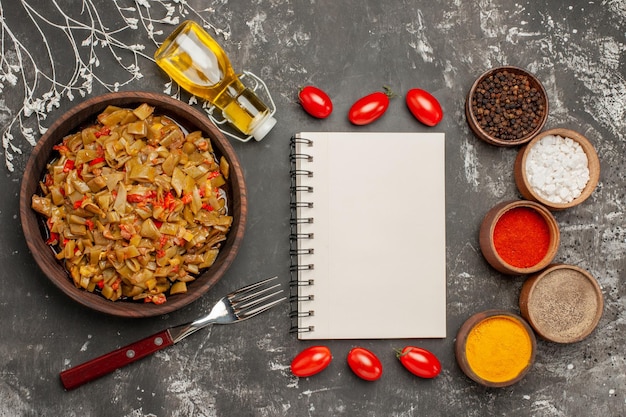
(518, 107)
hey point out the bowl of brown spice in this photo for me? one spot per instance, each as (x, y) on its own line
(506, 106)
(562, 303)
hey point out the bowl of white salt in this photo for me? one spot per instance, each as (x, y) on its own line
(558, 168)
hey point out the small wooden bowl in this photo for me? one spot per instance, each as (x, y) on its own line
(495, 347)
(523, 184)
(563, 303)
(85, 113)
(474, 123)
(487, 228)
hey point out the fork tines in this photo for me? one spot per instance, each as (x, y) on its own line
(255, 298)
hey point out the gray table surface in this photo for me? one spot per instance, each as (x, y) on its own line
(348, 48)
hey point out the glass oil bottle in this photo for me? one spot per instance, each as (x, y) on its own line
(198, 64)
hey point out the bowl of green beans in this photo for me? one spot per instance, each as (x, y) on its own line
(133, 204)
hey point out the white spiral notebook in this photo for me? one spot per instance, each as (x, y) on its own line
(368, 241)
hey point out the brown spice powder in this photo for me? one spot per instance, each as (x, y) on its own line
(563, 305)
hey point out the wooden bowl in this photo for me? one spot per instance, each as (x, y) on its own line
(498, 140)
(485, 353)
(85, 113)
(563, 303)
(486, 237)
(524, 186)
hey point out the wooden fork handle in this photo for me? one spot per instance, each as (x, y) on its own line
(109, 362)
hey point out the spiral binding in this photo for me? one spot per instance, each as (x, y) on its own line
(297, 253)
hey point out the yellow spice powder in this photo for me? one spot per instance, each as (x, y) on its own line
(498, 349)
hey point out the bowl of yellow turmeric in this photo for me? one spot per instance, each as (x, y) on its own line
(133, 204)
(495, 348)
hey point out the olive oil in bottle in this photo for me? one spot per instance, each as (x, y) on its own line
(199, 65)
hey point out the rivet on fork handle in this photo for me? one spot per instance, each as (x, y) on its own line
(102, 365)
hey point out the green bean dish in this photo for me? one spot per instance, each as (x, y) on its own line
(134, 206)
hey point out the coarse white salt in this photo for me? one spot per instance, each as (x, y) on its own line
(557, 169)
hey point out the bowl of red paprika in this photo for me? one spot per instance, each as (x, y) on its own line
(519, 237)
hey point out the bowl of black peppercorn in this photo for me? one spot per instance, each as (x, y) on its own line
(506, 106)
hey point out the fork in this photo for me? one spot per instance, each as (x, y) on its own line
(237, 306)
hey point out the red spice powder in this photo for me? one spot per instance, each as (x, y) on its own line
(521, 237)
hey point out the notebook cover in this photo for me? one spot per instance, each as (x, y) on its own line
(378, 260)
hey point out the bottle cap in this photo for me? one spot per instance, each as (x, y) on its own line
(263, 128)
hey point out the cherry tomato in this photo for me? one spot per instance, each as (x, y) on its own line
(365, 364)
(424, 106)
(419, 361)
(370, 108)
(311, 361)
(315, 102)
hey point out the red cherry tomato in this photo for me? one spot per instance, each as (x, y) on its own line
(424, 106)
(311, 361)
(315, 102)
(419, 361)
(370, 108)
(365, 364)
